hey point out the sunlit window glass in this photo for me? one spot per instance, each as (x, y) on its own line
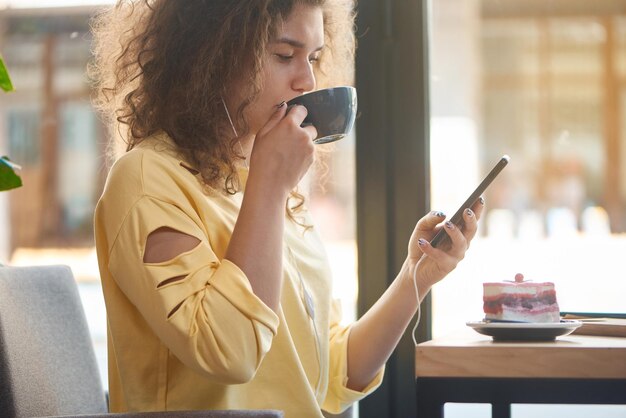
(546, 84)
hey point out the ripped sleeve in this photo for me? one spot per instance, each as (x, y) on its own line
(202, 308)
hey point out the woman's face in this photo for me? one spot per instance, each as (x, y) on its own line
(288, 69)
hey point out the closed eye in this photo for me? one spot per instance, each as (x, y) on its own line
(284, 58)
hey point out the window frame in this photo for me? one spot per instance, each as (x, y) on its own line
(393, 171)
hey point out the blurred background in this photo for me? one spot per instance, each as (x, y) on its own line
(542, 81)
(545, 82)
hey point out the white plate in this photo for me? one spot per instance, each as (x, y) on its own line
(524, 331)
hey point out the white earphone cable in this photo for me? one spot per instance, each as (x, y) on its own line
(232, 125)
(419, 310)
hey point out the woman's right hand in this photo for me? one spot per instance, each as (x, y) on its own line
(283, 150)
(281, 154)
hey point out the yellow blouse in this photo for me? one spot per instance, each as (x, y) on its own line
(206, 341)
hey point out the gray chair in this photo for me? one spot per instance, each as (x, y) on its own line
(47, 363)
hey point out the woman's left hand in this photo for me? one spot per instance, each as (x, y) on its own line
(375, 335)
(441, 260)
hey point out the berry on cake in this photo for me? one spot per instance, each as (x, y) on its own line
(520, 301)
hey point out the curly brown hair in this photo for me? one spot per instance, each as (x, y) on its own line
(164, 65)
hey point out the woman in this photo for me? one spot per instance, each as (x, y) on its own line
(216, 285)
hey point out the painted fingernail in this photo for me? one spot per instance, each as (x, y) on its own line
(449, 225)
(438, 214)
(481, 200)
(469, 212)
(281, 104)
(421, 242)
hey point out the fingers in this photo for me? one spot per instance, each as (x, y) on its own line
(470, 219)
(297, 114)
(429, 221)
(282, 149)
(446, 258)
(276, 117)
(463, 235)
(478, 207)
(425, 228)
(293, 115)
(445, 261)
(460, 235)
(469, 226)
(427, 225)
(311, 131)
(460, 243)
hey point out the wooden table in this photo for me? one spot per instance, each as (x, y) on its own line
(472, 368)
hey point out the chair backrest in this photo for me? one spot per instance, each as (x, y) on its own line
(47, 362)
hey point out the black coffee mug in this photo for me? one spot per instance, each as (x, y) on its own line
(332, 111)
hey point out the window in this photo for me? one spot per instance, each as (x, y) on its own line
(49, 128)
(545, 85)
(55, 135)
(544, 82)
(332, 192)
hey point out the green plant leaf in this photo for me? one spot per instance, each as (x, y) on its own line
(8, 179)
(5, 80)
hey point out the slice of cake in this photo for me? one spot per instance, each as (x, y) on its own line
(520, 301)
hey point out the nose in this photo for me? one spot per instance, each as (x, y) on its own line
(304, 81)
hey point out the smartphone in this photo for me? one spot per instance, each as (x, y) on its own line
(457, 218)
